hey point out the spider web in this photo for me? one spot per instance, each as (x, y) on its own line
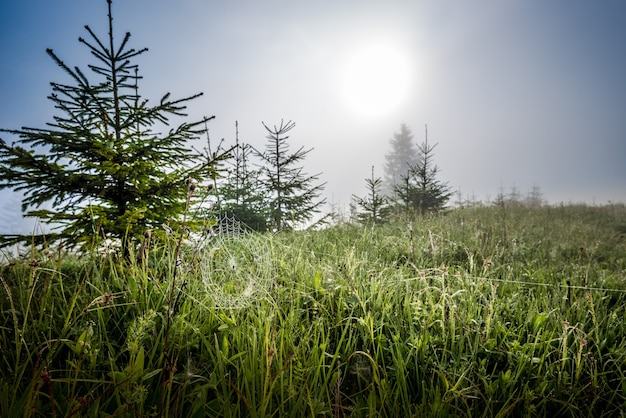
(229, 226)
(236, 265)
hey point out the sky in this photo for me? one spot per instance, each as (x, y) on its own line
(518, 93)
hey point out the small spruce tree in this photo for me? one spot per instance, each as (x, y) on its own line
(420, 188)
(374, 208)
(240, 193)
(293, 197)
(101, 169)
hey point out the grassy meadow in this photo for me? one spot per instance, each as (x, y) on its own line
(477, 312)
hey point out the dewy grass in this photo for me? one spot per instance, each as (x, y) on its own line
(468, 313)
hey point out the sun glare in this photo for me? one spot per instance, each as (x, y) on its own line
(375, 80)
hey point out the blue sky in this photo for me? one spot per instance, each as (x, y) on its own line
(516, 93)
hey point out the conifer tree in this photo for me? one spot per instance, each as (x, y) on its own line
(374, 207)
(240, 191)
(101, 168)
(535, 199)
(402, 155)
(420, 188)
(293, 196)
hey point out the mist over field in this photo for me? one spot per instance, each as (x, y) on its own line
(400, 209)
(517, 95)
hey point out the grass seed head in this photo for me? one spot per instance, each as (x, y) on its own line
(191, 185)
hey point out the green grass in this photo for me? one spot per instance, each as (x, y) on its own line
(484, 312)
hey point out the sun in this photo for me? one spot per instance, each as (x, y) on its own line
(376, 79)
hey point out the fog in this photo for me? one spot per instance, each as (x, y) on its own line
(521, 93)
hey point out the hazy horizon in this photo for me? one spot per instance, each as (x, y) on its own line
(518, 94)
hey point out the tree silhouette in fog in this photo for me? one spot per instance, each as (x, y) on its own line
(403, 155)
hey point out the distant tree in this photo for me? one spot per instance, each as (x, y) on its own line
(535, 197)
(420, 188)
(501, 198)
(467, 201)
(373, 208)
(100, 167)
(240, 191)
(292, 195)
(515, 197)
(403, 155)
